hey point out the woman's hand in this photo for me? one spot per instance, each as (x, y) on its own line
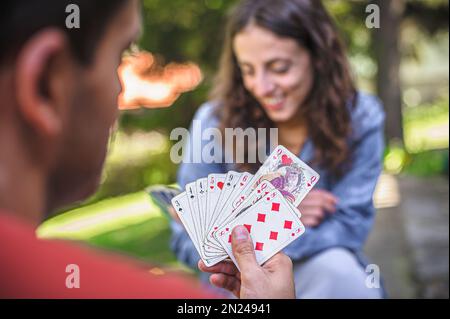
(316, 205)
(273, 280)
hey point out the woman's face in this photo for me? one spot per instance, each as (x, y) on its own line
(276, 71)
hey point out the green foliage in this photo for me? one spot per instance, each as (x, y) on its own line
(180, 31)
(427, 164)
(426, 126)
(185, 30)
(426, 141)
(136, 161)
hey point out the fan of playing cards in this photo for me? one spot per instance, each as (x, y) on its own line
(265, 203)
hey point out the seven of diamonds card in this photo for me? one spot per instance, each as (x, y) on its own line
(272, 224)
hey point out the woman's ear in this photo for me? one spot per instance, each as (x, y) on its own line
(38, 83)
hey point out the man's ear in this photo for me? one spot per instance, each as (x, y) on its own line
(39, 83)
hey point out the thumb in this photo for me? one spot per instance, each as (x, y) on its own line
(243, 251)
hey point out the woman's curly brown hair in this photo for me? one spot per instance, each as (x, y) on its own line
(327, 107)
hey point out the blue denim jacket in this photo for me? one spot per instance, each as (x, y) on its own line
(350, 225)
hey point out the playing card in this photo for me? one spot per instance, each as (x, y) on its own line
(230, 181)
(261, 190)
(265, 203)
(181, 206)
(207, 251)
(191, 192)
(226, 211)
(272, 224)
(287, 173)
(244, 178)
(215, 185)
(201, 186)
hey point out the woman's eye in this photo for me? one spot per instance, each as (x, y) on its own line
(280, 69)
(246, 71)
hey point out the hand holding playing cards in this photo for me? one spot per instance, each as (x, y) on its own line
(265, 203)
(316, 205)
(273, 280)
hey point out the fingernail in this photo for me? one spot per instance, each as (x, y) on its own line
(240, 233)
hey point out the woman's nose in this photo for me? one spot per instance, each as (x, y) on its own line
(263, 86)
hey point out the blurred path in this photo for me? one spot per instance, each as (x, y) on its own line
(410, 241)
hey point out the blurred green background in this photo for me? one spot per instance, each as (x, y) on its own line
(122, 217)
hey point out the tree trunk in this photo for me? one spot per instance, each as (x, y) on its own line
(388, 59)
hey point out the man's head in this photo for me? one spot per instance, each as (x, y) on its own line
(59, 88)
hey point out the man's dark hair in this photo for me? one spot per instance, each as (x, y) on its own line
(20, 19)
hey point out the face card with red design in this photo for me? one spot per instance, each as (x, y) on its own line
(292, 177)
(272, 223)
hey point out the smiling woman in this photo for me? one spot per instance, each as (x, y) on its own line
(277, 71)
(283, 66)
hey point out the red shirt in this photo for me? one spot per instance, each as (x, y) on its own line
(34, 268)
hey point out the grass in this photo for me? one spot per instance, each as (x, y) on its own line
(131, 224)
(147, 241)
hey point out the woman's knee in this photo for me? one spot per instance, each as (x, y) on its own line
(334, 273)
(333, 262)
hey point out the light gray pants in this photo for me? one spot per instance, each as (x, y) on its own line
(333, 273)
